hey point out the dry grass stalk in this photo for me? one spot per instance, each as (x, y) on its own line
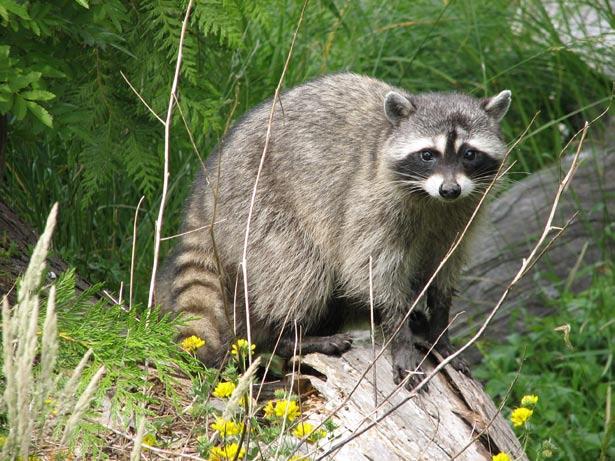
(167, 148)
(21, 395)
(26, 394)
(242, 389)
(135, 453)
(276, 96)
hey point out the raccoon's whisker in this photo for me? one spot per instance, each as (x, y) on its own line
(412, 176)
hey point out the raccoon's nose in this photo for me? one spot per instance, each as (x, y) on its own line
(450, 191)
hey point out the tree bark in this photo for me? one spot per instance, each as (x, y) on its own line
(17, 240)
(453, 419)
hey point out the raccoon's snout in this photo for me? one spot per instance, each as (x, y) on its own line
(450, 190)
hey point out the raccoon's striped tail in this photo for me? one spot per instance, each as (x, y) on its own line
(189, 285)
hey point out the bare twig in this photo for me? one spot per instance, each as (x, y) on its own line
(520, 273)
(447, 256)
(181, 234)
(141, 98)
(167, 147)
(132, 256)
(244, 259)
(160, 451)
(373, 330)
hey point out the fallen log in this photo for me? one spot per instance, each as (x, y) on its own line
(453, 419)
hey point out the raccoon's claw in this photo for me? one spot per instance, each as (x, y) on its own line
(405, 363)
(459, 364)
(331, 345)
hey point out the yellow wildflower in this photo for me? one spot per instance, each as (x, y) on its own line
(226, 453)
(288, 409)
(307, 429)
(500, 457)
(227, 428)
(529, 400)
(150, 439)
(282, 409)
(241, 347)
(192, 343)
(298, 458)
(269, 409)
(520, 416)
(224, 389)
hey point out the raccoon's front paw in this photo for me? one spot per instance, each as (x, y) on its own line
(405, 367)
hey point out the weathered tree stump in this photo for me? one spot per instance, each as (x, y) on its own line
(454, 419)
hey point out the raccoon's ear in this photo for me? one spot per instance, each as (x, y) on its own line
(497, 106)
(397, 107)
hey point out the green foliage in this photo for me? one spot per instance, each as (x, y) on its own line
(122, 341)
(573, 377)
(104, 149)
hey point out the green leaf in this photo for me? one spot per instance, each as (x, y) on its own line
(38, 95)
(13, 7)
(6, 102)
(4, 14)
(19, 107)
(40, 113)
(83, 3)
(4, 51)
(21, 81)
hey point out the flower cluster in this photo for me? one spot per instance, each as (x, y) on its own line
(307, 430)
(241, 348)
(227, 428)
(282, 409)
(224, 389)
(522, 414)
(192, 343)
(226, 453)
(519, 417)
(500, 457)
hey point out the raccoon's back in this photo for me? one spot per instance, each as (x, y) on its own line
(326, 136)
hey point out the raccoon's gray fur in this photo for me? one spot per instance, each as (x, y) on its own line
(354, 168)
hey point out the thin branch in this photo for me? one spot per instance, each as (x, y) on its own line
(167, 147)
(373, 329)
(141, 98)
(206, 226)
(451, 250)
(244, 259)
(522, 270)
(132, 256)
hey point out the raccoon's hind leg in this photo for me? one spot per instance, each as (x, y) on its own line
(335, 344)
(295, 289)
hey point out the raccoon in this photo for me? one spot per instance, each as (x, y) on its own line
(355, 170)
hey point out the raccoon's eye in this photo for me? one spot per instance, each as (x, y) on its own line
(470, 155)
(426, 155)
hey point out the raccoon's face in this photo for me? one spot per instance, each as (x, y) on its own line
(445, 145)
